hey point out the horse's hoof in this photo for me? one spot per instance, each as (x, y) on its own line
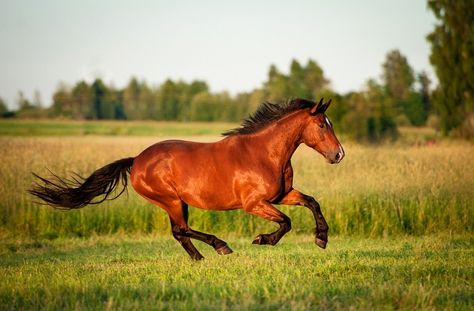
(224, 250)
(321, 243)
(258, 240)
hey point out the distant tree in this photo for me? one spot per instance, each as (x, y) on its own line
(99, 105)
(383, 113)
(296, 80)
(276, 87)
(256, 98)
(204, 107)
(452, 55)
(37, 100)
(370, 115)
(315, 81)
(398, 76)
(82, 100)
(303, 81)
(28, 109)
(338, 109)
(188, 91)
(22, 102)
(3, 108)
(131, 100)
(424, 91)
(62, 102)
(169, 100)
(399, 79)
(138, 101)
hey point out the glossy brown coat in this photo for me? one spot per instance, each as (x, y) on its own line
(251, 172)
(250, 169)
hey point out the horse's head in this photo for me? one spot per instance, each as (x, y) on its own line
(319, 133)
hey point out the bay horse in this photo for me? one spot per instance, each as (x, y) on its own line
(250, 169)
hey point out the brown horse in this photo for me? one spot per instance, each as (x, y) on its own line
(249, 169)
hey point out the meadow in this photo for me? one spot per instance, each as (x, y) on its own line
(150, 273)
(400, 217)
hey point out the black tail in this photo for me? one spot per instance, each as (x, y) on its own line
(77, 192)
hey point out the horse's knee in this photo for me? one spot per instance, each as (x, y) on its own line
(311, 202)
(286, 224)
(178, 232)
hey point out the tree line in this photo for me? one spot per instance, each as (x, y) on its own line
(370, 114)
(402, 97)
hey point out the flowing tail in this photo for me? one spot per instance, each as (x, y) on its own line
(77, 192)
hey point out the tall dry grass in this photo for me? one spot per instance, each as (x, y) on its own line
(375, 191)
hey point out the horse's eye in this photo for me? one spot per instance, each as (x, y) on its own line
(321, 125)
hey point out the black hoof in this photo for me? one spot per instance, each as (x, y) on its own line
(224, 250)
(265, 239)
(258, 240)
(321, 243)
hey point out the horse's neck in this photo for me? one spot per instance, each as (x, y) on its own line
(281, 138)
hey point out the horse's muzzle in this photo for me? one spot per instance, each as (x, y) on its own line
(336, 156)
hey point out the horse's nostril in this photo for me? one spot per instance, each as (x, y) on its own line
(338, 156)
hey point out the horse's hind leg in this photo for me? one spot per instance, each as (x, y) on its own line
(179, 223)
(182, 232)
(185, 242)
(219, 245)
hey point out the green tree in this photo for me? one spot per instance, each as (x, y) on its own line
(296, 80)
(424, 91)
(169, 100)
(22, 102)
(188, 91)
(204, 107)
(3, 108)
(452, 55)
(370, 115)
(62, 102)
(306, 82)
(131, 100)
(99, 105)
(399, 79)
(82, 103)
(398, 76)
(139, 102)
(315, 82)
(276, 87)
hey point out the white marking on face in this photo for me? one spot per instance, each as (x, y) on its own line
(328, 122)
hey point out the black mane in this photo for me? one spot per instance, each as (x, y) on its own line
(267, 113)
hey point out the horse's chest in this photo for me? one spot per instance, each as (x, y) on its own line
(281, 183)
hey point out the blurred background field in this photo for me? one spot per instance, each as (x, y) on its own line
(60, 127)
(384, 190)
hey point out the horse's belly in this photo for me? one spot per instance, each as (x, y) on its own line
(210, 195)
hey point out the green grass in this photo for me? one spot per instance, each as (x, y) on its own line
(109, 128)
(382, 191)
(153, 273)
(401, 233)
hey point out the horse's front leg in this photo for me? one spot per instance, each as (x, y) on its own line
(269, 212)
(294, 197)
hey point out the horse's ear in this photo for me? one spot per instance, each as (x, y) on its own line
(317, 107)
(326, 105)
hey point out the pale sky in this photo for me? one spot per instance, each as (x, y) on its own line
(229, 44)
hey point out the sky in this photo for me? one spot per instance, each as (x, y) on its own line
(229, 44)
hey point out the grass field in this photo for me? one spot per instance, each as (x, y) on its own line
(401, 236)
(108, 128)
(152, 273)
(375, 191)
